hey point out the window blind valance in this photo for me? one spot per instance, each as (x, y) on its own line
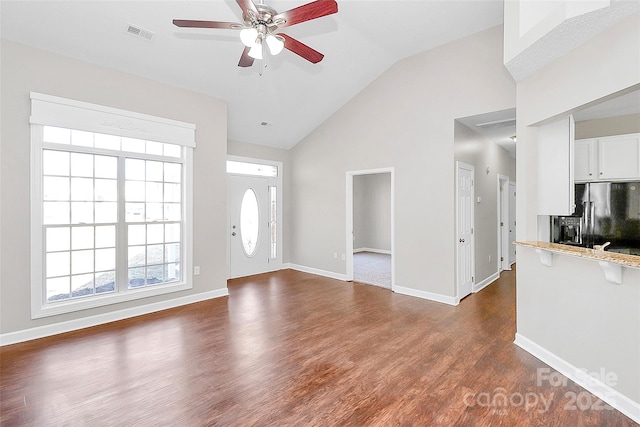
(72, 114)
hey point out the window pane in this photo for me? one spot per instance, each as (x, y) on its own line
(105, 282)
(57, 264)
(55, 163)
(105, 259)
(106, 236)
(137, 256)
(81, 164)
(172, 252)
(155, 274)
(81, 285)
(106, 190)
(172, 232)
(55, 188)
(137, 277)
(244, 168)
(56, 135)
(154, 171)
(172, 172)
(155, 233)
(172, 211)
(137, 234)
(172, 272)
(249, 222)
(58, 239)
(81, 189)
(172, 150)
(56, 212)
(82, 212)
(155, 254)
(135, 191)
(154, 192)
(106, 212)
(133, 145)
(58, 288)
(110, 142)
(154, 148)
(172, 193)
(134, 169)
(81, 138)
(134, 212)
(82, 238)
(81, 262)
(154, 212)
(106, 167)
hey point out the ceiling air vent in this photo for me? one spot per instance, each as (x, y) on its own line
(140, 32)
(497, 124)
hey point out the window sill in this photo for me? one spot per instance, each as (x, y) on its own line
(102, 300)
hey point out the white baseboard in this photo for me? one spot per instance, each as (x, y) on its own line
(604, 392)
(99, 319)
(486, 282)
(317, 271)
(426, 295)
(377, 251)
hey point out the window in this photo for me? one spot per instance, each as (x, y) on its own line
(110, 210)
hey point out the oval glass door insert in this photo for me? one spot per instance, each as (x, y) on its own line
(249, 222)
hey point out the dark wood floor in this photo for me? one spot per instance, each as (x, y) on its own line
(291, 348)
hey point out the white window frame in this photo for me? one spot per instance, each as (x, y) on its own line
(47, 110)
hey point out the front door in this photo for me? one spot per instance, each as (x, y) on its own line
(465, 243)
(249, 237)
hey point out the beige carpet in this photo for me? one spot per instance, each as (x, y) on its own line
(372, 268)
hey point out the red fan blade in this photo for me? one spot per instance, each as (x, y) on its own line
(301, 49)
(247, 5)
(245, 59)
(307, 12)
(206, 24)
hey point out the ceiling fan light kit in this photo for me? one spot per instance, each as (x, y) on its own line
(260, 24)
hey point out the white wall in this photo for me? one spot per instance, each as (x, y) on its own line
(26, 69)
(592, 325)
(474, 149)
(372, 211)
(618, 125)
(404, 119)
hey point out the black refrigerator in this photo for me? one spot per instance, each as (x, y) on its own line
(605, 212)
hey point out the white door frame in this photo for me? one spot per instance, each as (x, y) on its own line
(461, 165)
(274, 264)
(512, 222)
(349, 220)
(503, 217)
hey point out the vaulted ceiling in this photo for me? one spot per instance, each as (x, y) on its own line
(292, 96)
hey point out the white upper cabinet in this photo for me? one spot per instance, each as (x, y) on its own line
(556, 167)
(608, 158)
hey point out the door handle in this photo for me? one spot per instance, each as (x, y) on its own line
(233, 234)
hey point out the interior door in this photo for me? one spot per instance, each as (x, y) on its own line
(512, 222)
(249, 238)
(465, 243)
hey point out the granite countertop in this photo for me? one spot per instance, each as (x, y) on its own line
(623, 259)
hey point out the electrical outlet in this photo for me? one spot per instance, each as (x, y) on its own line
(335, 255)
(344, 257)
(489, 258)
(196, 270)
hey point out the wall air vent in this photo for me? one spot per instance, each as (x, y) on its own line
(140, 32)
(497, 124)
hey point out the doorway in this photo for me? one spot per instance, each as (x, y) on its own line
(505, 231)
(370, 227)
(465, 243)
(254, 217)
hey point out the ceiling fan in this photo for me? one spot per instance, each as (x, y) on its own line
(260, 25)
